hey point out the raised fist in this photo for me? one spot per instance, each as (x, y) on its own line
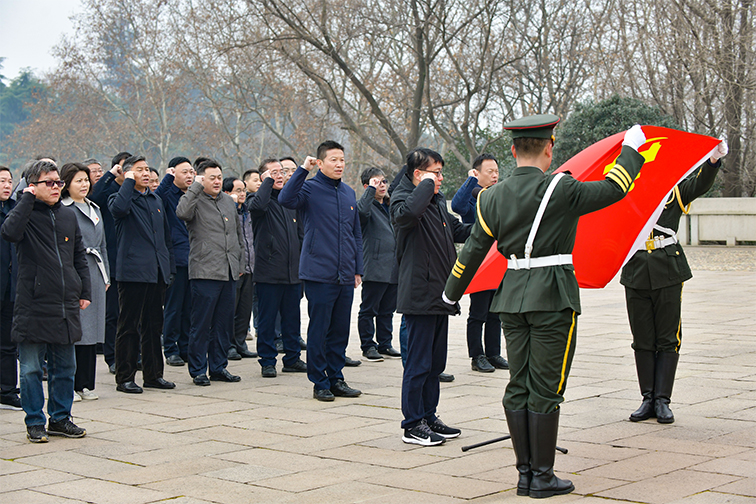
(32, 189)
(720, 150)
(634, 137)
(129, 175)
(310, 163)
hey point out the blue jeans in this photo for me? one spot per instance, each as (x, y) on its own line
(61, 368)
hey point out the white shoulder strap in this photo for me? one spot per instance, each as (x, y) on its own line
(539, 214)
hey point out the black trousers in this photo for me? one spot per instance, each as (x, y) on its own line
(655, 318)
(8, 351)
(112, 308)
(176, 316)
(140, 323)
(245, 292)
(379, 303)
(86, 362)
(480, 304)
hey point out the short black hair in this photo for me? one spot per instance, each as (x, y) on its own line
(290, 159)
(228, 183)
(37, 169)
(199, 161)
(130, 161)
(370, 173)
(120, 158)
(153, 170)
(421, 158)
(5, 168)
(67, 173)
(483, 157)
(208, 163)
(326, 146)
(264, 164)
(173, 163)
(526, 146)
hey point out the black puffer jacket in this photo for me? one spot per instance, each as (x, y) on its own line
(425, 236)
(52, 272)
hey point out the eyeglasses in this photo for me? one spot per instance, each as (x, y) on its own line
(50, 183)
(383, 182)
(439, 173)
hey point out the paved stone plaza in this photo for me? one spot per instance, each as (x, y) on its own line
(268, 441)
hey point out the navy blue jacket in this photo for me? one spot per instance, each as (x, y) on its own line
(463, 201)
(8, 262)
(170, 194)
(101, 191)
(332, 247)
(144, 236)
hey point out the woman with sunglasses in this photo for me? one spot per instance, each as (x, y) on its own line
(89, 218)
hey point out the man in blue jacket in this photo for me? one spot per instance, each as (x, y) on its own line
(330, 264)
(178, 297)
(145, 266)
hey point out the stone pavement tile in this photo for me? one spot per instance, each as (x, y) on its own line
(173, 454)
(601, 452)
(323, 442)
(441, 484)
(11, 467)
(745, 486)
(473, 463)
(745, 455)
(189, 424)
(119, 416)
(217, 490)
(31, 497)
(34, 478)
(320, 478)
(23, 448)
(188, 500)
(293, 462)
(237, 435)
(661, 442)
(246, 473)
(144, 436)
(385, 457)
(105, 492)
(354, 408)
(746, 414)
(191, 411)
(76, 463)
(668, 487)
(367, 493)
(610, 432)
(589, 485)
(734, 467)
(714, 497)
(646, 466)
(715, 430)
(294, 428)
(139, 475)
(325, 413)
(724, 407)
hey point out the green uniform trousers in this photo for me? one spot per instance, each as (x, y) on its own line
(540, 348)
(655, 318)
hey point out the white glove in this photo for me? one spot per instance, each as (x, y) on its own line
(721, 149)
(634, 137)
(447, 300)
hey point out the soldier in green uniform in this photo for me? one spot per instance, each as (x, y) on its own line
(653, 280)
(534, 218)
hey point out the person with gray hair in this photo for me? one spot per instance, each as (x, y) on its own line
(95, 170)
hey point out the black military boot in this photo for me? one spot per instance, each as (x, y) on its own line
(644, 365)
(542, 430)
(666, 365)
(517, 420)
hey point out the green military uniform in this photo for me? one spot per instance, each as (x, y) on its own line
(538, 300)
(653, 280)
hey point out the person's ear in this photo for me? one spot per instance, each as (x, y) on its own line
(514, 152)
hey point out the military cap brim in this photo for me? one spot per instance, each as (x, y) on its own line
(535, 126)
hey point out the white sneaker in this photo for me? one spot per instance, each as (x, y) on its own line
(88, 395)
(77, 397)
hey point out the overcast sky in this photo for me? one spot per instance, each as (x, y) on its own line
(28, 31)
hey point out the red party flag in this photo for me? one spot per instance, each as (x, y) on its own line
(607, 238)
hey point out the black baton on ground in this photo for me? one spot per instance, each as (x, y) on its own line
(496, 440)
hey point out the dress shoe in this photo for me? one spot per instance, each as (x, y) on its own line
(269, 372)
(299, 366)
(372, 355)
(341, 389)
(389, 352)
(445, 377)
(159, 383)
(279, 345)
(224, 376)
(498, 362)
(201, 380)
(481, 364)
(351, 362)
(248, 354)
(129, 387)
(323, 395)
(111, 368)
(302, 344)
(233, 355)
(174, 360)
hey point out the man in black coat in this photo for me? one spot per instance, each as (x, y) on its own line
(425, 236)
(53, 285)
(145, 267)
(8, 268)
(277, 248)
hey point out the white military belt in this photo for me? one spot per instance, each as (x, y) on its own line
(539, 262)
(659, 242)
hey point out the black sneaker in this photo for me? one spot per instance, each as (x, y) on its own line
(269, 371)
(422, 435)
(389, 352)
(322, 395)
(299, 366)
(372, 355)
(481, 364)
(443, 430)
(65, 428)
(10, 401)
(36, 433)
(341, 389)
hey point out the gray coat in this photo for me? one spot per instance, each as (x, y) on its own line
(216, 243)
(92, 230)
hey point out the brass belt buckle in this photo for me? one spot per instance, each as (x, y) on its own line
(650, 245)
